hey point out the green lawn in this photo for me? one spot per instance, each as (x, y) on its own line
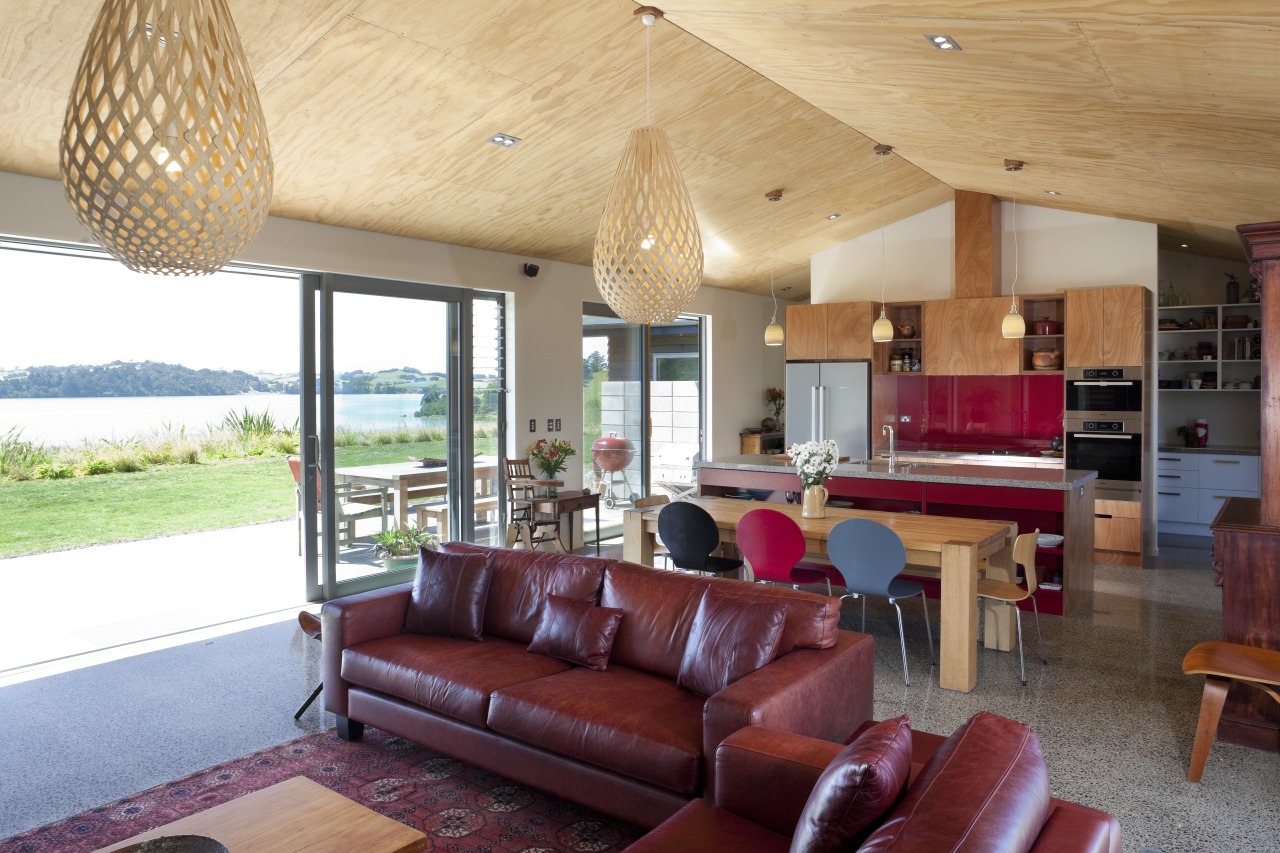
(47, 515)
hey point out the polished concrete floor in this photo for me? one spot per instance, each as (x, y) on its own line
(1112, 709)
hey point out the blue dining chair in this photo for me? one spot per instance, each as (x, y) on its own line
(691, 535)
(869, 558)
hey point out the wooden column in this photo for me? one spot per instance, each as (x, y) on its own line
(978, 225)
(1262, 248)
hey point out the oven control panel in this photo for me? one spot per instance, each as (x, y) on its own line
(1103, 426)
(1102, 373)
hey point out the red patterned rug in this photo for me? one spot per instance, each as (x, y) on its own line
(458, 806)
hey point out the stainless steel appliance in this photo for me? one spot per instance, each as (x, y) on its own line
(1103, 392)
(1113, 448)
(830, 399)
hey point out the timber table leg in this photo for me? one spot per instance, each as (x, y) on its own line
(958, 636)
(637, 545)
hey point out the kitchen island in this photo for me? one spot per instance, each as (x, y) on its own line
(1053, 500)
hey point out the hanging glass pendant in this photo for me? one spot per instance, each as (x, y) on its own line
(1013, 326)
(882, 329)
(648, 253)
(774, 336)
(164, 154)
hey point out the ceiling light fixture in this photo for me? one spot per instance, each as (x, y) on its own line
(773, 333)
(943, 42)
(1013, 326)
(882, 329)
(164, 153)
(648, 253)
(833, 216)
(1052, 192)
(504, 140)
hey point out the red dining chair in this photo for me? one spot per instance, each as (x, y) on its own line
(773, 543)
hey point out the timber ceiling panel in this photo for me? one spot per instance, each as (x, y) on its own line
(379, 110)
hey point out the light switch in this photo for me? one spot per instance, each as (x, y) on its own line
(550, 424)
(557, 424)
(533, 425)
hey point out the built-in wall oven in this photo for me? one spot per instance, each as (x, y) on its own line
(1113, 448)
(1104, 392)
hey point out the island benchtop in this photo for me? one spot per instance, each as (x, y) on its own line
(1056, 479)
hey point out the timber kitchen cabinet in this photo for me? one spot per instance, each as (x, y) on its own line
(1105, 326)
(962, 338)
(830, 331)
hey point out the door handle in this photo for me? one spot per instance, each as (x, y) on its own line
(1226, 461)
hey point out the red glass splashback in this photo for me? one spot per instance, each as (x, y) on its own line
(976, 412)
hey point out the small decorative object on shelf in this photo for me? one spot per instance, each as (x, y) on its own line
(815, 461)
(776, 399)
(1254, 293)
(551, 457)
(1233, 288)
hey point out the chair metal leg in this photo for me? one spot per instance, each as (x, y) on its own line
(864, 615)
(1044, 658)
(1022, 666)
(924, 602)
(310, 699)
(902, 640)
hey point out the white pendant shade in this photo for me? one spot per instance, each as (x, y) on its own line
(164, 153)
(882, 329)
(648, 253)
(773, 335)
(1013, 326)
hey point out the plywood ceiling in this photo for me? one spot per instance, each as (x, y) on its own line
(379, 111)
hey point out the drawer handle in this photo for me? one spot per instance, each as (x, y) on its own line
(1223, 497)
(1168, 458)
(1226, 461)
(1169, 476)
(1100, 515)
(1171, 494)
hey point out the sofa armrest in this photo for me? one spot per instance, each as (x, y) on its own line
(1073, 828)
(353, 620)
(822, 693)
(766, 776)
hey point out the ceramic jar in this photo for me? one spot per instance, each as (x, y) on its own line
(813, 502)
(1046, 359)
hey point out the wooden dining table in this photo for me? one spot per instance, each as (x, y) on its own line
(411, 479)
(953, 545)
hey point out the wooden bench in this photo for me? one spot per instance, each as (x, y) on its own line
(1220, 664)
(439, 513)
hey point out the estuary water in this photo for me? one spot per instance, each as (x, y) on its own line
(73, 420)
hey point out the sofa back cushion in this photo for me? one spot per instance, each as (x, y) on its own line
(576, 631)
(660, 607)
(731, 637)
(856, 789)
(986, 788)
(449, 595)
(523, 579)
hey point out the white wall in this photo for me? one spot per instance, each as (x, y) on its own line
(1202, 279)
(1056, 249)
(545, 319)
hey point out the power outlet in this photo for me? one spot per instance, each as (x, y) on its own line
(551, 423)
(533, 424)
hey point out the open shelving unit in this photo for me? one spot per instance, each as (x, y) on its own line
(1196, 339)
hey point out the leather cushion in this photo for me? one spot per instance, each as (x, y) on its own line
(523, 579)
(449, 595)
(626, 721)
(444, 674)
(731, 637)
(576, 631)
(660, 607)
(986, 788)
(856, 789)
(700, 826)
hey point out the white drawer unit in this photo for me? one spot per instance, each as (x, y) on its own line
(1191, 487)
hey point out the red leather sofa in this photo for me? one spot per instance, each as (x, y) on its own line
(985, 788)
(626, 741)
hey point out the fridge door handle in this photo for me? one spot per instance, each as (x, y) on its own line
(814, 423)
(821, 422)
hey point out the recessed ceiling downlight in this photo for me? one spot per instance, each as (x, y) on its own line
(943, 42)
(503, 140)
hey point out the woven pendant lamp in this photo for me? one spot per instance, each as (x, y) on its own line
(648, 252)
(164, 154)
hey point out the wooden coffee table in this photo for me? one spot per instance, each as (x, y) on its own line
(291, 817)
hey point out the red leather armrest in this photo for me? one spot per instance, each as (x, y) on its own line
(353, 620)
(1073, 828)
(766, 775)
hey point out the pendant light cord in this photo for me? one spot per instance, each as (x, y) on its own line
(884, 275)
(774, 269)
(1013, 288)
(648, 32)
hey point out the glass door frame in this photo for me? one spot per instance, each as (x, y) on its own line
(316, 420)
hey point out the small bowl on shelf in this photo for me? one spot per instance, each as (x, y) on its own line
(1049, 540)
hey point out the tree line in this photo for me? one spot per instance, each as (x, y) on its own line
(133, 379)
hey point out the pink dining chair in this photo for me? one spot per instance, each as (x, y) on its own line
(773, 544)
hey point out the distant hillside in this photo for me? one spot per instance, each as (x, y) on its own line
(128, 379)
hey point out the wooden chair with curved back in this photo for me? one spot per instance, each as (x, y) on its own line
(1222, 664)
(1024, 554)
(354, 503)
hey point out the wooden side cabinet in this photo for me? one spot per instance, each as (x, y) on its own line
(1105, 326)
(760, 442)
(962, 338)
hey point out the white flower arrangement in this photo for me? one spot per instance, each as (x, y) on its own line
(815, 461)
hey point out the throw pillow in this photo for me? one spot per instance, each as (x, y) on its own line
(856, 789)
(449, 593)
(576, 631)
(731, 637)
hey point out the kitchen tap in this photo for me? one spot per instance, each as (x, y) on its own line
(887, 429)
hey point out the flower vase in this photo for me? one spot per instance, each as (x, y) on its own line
(813, 502)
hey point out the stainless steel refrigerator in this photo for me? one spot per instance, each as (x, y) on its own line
(830, 399)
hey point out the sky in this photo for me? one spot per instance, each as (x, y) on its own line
(59, 310)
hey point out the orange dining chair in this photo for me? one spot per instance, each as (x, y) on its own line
(349, 510)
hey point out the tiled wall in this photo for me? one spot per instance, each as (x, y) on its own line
(972, 412)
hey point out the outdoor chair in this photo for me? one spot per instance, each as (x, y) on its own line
(350, 509)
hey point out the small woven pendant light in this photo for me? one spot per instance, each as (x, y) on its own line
(164, 154)
(648, 252)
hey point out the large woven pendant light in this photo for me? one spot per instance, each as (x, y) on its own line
(1013, 325)
(648, 253)
(882, 329)
(164, 149)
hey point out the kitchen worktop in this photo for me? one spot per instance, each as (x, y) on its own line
(1223, 449)
(923, 472)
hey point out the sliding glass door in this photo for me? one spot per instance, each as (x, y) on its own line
(389, 435)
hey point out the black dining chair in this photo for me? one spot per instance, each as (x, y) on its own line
(691, 535)
(869, 557)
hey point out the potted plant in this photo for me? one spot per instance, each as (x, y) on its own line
(399, 548)
(1187, 433)
(776, 399)
(815, 461)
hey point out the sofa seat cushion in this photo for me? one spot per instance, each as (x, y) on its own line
(623, 720)
(702, 826)
(444, 674)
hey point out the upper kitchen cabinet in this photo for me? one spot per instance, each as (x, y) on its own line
(835, 331)
(1105, 326)
(962, 338)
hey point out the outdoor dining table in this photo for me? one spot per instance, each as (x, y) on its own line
(402, 478)
(954, 545)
